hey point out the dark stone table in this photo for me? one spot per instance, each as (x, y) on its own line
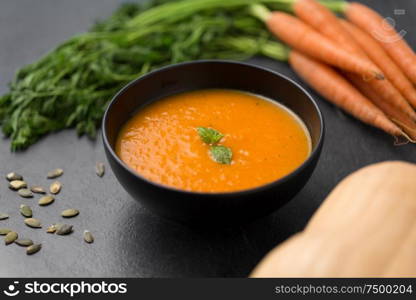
(130, 241)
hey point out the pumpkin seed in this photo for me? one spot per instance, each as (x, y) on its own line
(4, 231)
(10, 237)
(55, 173)
(26, 211)
(88, 237)
(38, 189)
(32, 222)
(55, 187)
(24, 242)
(63, 229)
(33, 249)
(25, 193)
(14, 176)
(69, 213)
(46, 200)
(17, 184)
(99, 169)
(51, 229)
(4, 216)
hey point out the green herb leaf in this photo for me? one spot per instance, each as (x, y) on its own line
(209, 135)
(221, 154)
(82, 74)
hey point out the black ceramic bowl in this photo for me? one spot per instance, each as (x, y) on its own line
(211, 208)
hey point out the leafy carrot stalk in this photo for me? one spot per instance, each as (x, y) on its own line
(336, 89)
(396, 115)
(394, 44)
(380, 57)
(304, 38)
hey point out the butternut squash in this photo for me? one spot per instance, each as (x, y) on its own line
(365, 228)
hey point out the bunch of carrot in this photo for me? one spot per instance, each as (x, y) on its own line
(359, 63)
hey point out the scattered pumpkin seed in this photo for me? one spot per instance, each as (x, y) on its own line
(26, 211)
(63, 229)
(99, 169)
(10, 237)
(14, 176)
(4, 216)
(46, 200)
(25, 193)
(55, 173)
(51, 229)
(38, 189)
(4, 231)
(88, 237)
(24, 242)
(69, 213)
(17, 184)
(55, 187)
(32, 249)
(32, 222)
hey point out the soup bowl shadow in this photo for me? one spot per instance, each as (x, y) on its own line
(211, 208)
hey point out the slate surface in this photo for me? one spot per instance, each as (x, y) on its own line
(129, 240)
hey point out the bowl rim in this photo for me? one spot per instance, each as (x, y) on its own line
(237, 193)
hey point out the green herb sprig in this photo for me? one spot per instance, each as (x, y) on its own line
(209, 136)
(220, 154)
(71, 86)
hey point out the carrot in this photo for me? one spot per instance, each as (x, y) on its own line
(391, 95)
(304, 38)
(323, 20)
(394, 114)
(379, 56)
(336, 89)
(394, 44)
(326, 22)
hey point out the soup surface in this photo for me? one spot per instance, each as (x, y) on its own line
(161, 141)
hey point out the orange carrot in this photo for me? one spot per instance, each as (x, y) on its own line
(304, 38)
(326, 22)
(391, 95)
(393, 42)
(379, 56)
(394, 114)
(340, 92)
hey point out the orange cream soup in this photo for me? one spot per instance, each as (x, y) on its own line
(162, 144)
